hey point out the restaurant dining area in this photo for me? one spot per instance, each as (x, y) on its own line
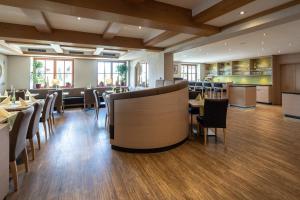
(149, 99)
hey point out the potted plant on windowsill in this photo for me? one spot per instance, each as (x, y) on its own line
(37, 77)
(122, 70)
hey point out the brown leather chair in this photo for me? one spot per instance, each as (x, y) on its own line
(33, 128)
(51, 116)
(89, 98)
(215, 115)
(17, 143)
(46, 114)
(96, 104)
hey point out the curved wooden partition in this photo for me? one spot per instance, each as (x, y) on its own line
(149, 120)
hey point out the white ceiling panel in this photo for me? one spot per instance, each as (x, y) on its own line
(249, 9)
(72, 23)
(13, 15)
(174, 40)
(135, 32)
(280, 39)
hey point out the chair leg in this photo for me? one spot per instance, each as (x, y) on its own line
(106, 120)
(49, 126)
(38, 139)
(52, 118)
(32, 148)
(205, 135)
(14, 172)
(25, 159)
(198, 128)
(45, 129)
(224, 134)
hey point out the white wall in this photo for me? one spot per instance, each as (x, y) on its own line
(18, 68)
(3, 77)
(85, 72)
(156, 67)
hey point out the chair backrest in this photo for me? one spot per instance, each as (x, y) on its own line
(199, 84)
(89, 96)
(192, 83)
(47, 107)
(106, 100)
(207, 84)
(96, 96)
(215, 113)
(218, 85)
(17, 140)
(59, 98)
(34, 121)
(55, 94)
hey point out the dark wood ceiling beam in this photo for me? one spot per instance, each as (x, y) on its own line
(24, 33)
(219, 9)
(38, 19)
(147, 13)
(263, 13)
(160, 38)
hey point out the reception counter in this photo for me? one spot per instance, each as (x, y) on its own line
(291, 104)
(242, 95)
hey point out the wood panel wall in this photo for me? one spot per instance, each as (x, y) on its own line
(283, 79)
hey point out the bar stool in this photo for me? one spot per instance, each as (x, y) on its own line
(219, 89)
(208, 87)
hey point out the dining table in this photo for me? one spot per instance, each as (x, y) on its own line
(17, 105)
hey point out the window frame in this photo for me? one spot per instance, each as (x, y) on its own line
(189, 71)
(147, 73)
(111, 72)
(55, 66)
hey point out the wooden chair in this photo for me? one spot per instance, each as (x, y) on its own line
(215, 114)
(96, 104)
(17, 143)
(89, 98)
(46, 114)
(59, 102)
(105, 98)
(33, 128)
(51, 115)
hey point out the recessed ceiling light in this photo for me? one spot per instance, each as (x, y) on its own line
(78, 18)
(242, 12)
(225, 44)
(279, 51)
(140, 27)
(265, 34)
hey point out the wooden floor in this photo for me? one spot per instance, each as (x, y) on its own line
(261, 161)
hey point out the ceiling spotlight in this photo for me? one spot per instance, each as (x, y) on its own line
(225, 44)
(242, 12)
(140, 27)
(265, 34)
(78, 18)
(279, 51)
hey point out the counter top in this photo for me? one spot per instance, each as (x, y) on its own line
(237, 85)
(291, 92)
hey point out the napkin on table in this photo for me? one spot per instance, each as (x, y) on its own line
(4, 113)
(22, 102)
(6, 100)
(32, 99)
(27, 93)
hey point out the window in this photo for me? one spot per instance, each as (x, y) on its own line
(62, 70)
(190, 72)
(108, 73)
(144, 75)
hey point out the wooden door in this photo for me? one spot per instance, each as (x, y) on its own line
(288, 77)
(297, 79)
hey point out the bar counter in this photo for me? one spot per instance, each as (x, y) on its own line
(291, 104)
(242, 95)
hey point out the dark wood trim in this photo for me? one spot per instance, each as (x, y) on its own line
(263, 13)
(151, 150)
(219, 9)
(160, 38)
(147, 13)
